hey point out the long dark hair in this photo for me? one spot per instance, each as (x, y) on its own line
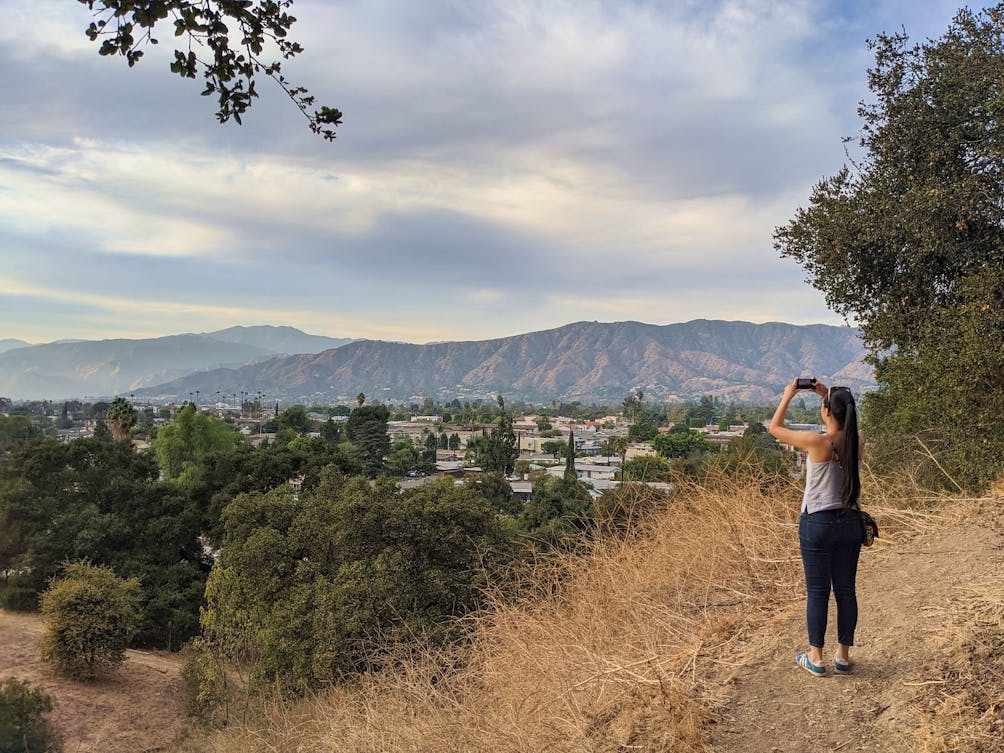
(840, 402)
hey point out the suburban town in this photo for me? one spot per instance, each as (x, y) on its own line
(601, 445)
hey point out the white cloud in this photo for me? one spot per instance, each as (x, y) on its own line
(600, 159)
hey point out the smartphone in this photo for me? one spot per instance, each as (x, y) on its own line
(805, 383)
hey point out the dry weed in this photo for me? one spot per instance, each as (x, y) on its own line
(962, 711)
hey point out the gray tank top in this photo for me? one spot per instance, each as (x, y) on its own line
(823, 483)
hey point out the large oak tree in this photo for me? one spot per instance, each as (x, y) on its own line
(907, 241)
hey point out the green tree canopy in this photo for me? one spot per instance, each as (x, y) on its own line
(756, 450)
(182, 444)
(15, 429)
(405, 456)
(313, 581)
(559, 508)
(498, 453)
(367, 430)
(908, 241)
(496, 490)
(643, 429)
(645, 468)
(331, 431)
(682, 444)
(23, 726)
(101, 501)
(556, 447)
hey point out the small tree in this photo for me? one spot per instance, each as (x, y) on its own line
(570, 474)
(91, 615)
(620, 446)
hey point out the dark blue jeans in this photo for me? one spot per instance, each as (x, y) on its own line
(830, 542)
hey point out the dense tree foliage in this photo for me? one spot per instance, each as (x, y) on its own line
(496, 490)
(331, 431)
(183, 444)
(224, 474)
(558, 509)
(908, 242)
(225, 44)
(15, 429)
(645, 468)
(756, 450)
(682, 443)
(101, 501)
(294, 418)
(316, 583)
(405, 457)
(498, 452)
(644, 429)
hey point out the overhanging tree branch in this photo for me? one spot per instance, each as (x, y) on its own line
(231, 34)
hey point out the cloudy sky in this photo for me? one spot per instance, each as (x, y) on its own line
(504, 167)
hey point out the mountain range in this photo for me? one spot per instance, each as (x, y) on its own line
(102, 368)
(587, 361)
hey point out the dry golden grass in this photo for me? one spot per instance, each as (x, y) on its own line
(622, 647)
(961, 709)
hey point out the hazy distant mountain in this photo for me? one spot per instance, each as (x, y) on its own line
(102, 368)
(287, 340)
(10, 343)
(582, 361)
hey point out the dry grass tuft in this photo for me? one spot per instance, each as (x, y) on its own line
(997, 488)
(963, 710)
(622, 647)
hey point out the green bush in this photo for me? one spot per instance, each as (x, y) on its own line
(23, 727)
(91, 615)
(313, 588)
(209, 686)
(17, 599)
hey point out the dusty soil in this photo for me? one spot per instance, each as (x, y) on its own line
(907, 589)
(137, 708)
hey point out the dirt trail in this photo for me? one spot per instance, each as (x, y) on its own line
(907, 588)
(138, 708)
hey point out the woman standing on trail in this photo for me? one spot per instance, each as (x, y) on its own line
(829, 529)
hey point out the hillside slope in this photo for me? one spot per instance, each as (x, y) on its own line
(620, 653)
(683, 640)
(138, 708)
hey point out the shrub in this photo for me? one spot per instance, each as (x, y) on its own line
(91, 615)
(23, 727)
(315, 588)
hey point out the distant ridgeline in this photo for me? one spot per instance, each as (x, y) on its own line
(104, 368)
(586, 361)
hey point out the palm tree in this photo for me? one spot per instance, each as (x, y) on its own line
(620, 446)
(121, 418)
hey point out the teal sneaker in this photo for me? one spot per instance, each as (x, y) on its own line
(840, 665)
(816, 670)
